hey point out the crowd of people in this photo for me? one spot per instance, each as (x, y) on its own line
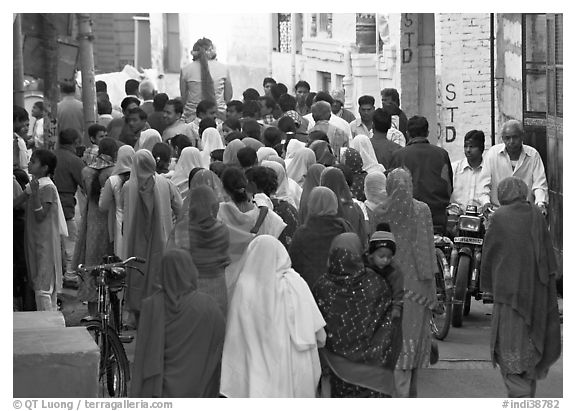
(281, 235)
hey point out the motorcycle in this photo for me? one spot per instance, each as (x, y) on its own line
(465, 260)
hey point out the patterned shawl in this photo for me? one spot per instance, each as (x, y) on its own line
(357, 307)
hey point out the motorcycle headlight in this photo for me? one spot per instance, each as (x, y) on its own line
(469, 223)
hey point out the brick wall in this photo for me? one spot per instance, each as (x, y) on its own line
(463, 78)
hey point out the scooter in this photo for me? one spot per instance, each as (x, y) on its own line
(465, 260)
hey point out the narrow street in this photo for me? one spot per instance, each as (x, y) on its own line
(464, 369)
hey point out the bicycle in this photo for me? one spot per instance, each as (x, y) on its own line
(105, 327)
(442, 316)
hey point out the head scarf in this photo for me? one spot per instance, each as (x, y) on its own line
(210, 179)
(190, 158)
(269, 292)
(294, 116)
(252, 143)
(293, 146)
(333, 178)
(211, 140)
(311, 180)
(278, 159)
(375, 189)
(348, 291)
(124, 160)
(143, 170)
(264, 153)
(512, 190)
(148, 139)
(231, 153)
(178, 277)
(353, 160)
(283, 191)
(322, 201)
(363, 145)
(322, 152)
(300, 164)
(400, 212)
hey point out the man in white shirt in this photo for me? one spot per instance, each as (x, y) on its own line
(334, 119)
(466, 172)
(512, 158)
(363, 125)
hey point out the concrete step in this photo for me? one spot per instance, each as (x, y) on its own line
(55, 363)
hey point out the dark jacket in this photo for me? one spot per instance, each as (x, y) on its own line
(384, 148)
(67, 178)
(431, 175)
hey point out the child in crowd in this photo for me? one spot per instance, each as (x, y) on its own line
(45, 223)
(96, 132)
(379, 259)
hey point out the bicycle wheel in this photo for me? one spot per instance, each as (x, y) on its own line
(444, 295)
(114, 371)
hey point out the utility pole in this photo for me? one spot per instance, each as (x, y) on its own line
(18, 59)
(50, 46)
(85, 38)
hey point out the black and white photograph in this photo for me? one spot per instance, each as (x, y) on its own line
(256, 204)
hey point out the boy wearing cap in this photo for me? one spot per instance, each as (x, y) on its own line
(379, 258)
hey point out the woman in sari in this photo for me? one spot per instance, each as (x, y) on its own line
(210, 179)
(207, 241)
(294, 190)
(518, 267)
(211, 140)
(353, 160)
(274, 329)
(180, 337)
(253, 143)
(275, 186)
(411, 224)
(333, 178)
(292, 146)
(264, 153)
(323, 153)
(93, 239)
(231, 153)
(362, 144)
(375, 190)
(147, 140)
(311, 242)
(361, 354)
(300, 164)
(150, 203)
(244, 219)
(311, 180)
(111, 198)
(189, 158)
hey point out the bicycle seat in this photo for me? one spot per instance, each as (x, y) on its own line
(90, 318)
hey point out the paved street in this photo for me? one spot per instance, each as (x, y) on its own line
(464, 369)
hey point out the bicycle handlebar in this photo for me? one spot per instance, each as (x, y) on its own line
(112, 265)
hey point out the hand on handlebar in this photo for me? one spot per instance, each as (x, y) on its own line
(543, 209)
